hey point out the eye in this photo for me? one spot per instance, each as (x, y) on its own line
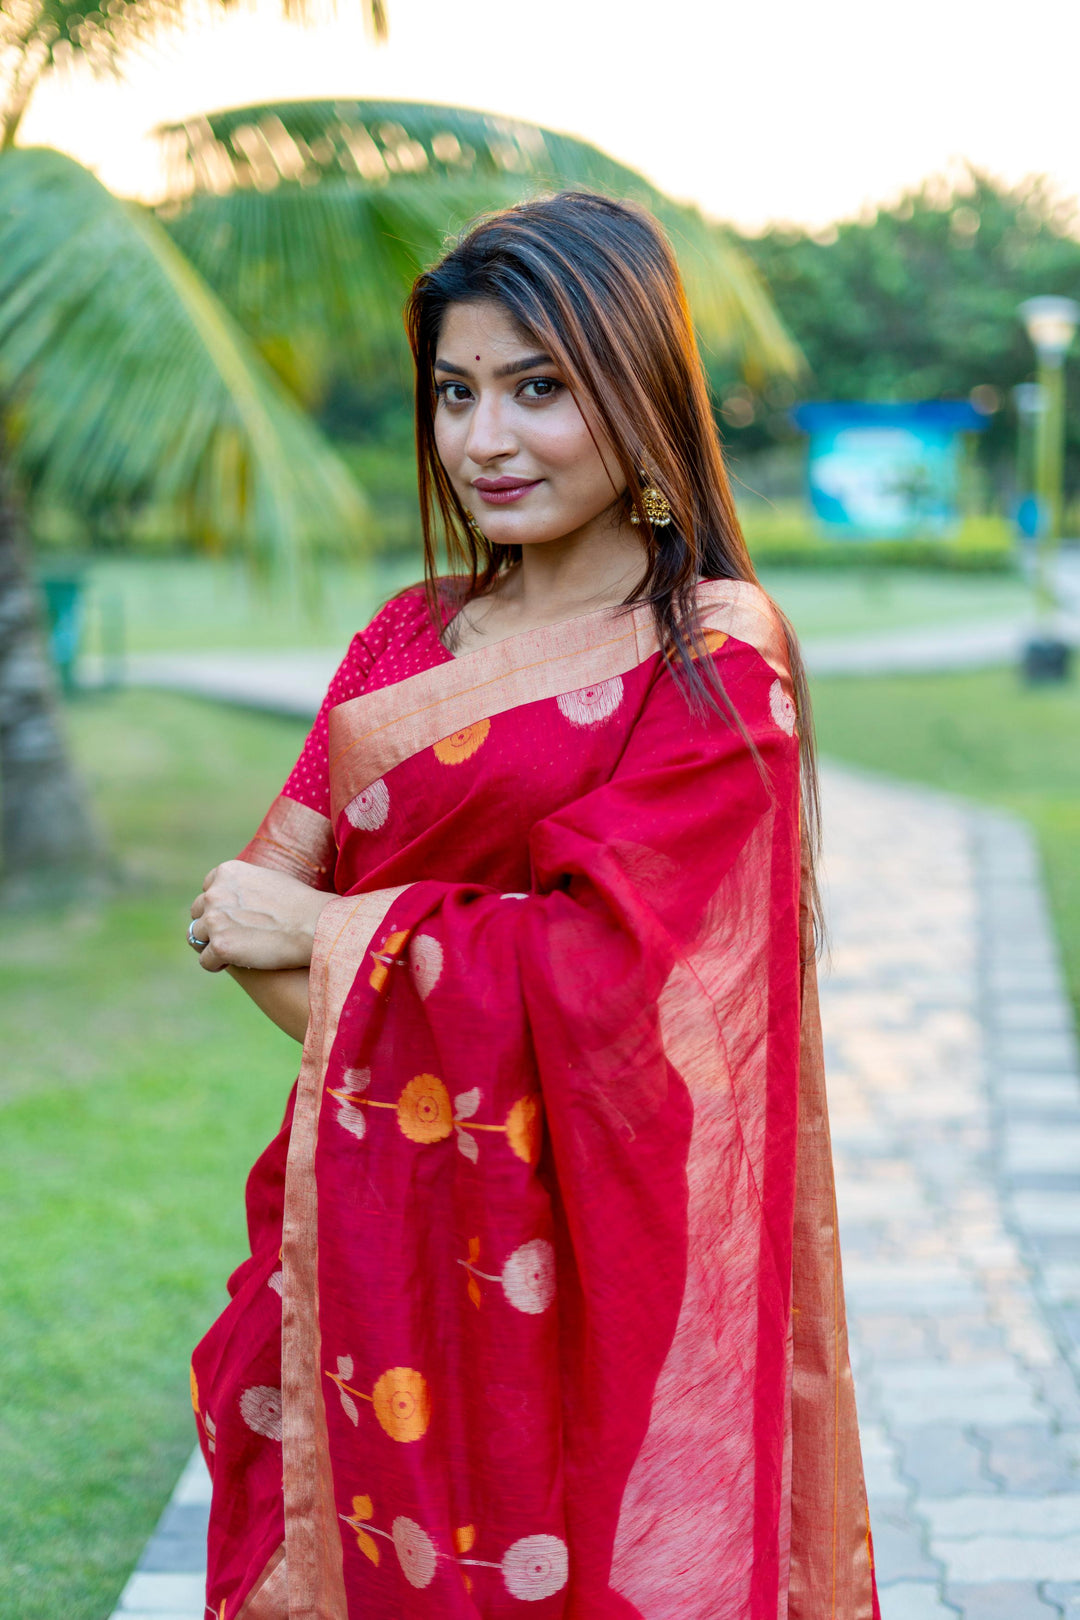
(452, 393)
(538, 388)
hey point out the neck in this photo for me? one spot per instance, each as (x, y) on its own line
(593, 568)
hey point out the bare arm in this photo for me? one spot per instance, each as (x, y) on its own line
(260, 926)
(281, 993)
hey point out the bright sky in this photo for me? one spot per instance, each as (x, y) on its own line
(758, 110)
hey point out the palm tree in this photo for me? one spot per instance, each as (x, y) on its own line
(167, 355)
(121, 378)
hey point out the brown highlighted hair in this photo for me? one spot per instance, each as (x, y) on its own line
(595, 284)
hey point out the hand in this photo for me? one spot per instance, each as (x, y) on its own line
(254, 917)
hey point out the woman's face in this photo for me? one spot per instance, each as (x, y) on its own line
(514, 443)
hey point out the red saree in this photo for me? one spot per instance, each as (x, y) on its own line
(544, 1302)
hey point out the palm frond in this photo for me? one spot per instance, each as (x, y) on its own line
(130, 381)
(329, 208)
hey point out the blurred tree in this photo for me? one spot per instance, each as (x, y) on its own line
(919, 301)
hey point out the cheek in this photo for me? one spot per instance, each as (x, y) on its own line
(449, 440)
(563, 441)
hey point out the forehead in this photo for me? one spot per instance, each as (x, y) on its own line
(482, 327)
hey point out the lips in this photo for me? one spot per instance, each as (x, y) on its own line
(501, 491)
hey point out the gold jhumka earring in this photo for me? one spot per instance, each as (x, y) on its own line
(656, 504)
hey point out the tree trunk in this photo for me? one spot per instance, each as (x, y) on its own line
(49, 841)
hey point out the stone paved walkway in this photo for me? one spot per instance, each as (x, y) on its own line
(956, 1122)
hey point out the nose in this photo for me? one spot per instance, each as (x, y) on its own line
(490, 435)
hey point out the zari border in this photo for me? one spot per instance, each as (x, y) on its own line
(269, 1597)
(316, 1589)
(832, 1569)
(295, 839)
(372, 733)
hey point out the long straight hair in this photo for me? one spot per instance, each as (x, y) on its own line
(595, 284)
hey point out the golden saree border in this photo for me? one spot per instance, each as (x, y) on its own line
(372, 733)
(269, 1597)
(313, 1557)
(294, 839)
(831, 1558)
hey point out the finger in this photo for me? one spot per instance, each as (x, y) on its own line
(211, 960)
(198, 906)
(209, 878)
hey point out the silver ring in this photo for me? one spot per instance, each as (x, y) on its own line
(196, 944)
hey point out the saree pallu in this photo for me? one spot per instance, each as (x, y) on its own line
(543, 1314)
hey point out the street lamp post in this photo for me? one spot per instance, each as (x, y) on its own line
(1050, 324)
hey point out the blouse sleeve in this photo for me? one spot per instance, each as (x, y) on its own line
(296, 834)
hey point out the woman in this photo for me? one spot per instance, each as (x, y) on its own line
(517, 1326)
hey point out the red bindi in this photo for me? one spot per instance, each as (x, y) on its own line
(478, 357)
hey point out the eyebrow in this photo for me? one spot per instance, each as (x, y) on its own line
(530, 361)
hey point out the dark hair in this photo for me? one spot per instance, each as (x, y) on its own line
(595, 283)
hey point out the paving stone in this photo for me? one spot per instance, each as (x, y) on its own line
(1009, 1558)
(1047, 1246)
(1029, 1458)
(1030, 1146)
(900, 1546)
(1000, 1600)
(1047, 1212)
(890, 1335)
(159, 1594)
(1003, 1516)
(914, 1600)
(1044, 1180)
(1058, 1388)
(942, 1460)
(1040, 1054)
(1066, 1594)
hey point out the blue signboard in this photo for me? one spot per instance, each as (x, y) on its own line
(886, 472)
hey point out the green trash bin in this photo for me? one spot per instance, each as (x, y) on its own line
(64, 607)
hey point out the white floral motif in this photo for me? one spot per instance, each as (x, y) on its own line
(536, 1567)
(260, 1408)
(369, 810)
(528, 1277)
(276, 1281)
(352, 1119)
(416, 1553)
(592, 705)
(782, 708)
(465, 1105)
(426, 962)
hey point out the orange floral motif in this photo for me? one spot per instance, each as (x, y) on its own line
(424, 1113)
(523, 1128)
(194, 1393)
(401, 1399)
(464, 1539)
(714, 640)
(461, 745)
(384, 958)
(403, 1403)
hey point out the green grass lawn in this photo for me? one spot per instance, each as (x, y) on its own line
(136, 1093)
(983, 735)
(195, 604)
